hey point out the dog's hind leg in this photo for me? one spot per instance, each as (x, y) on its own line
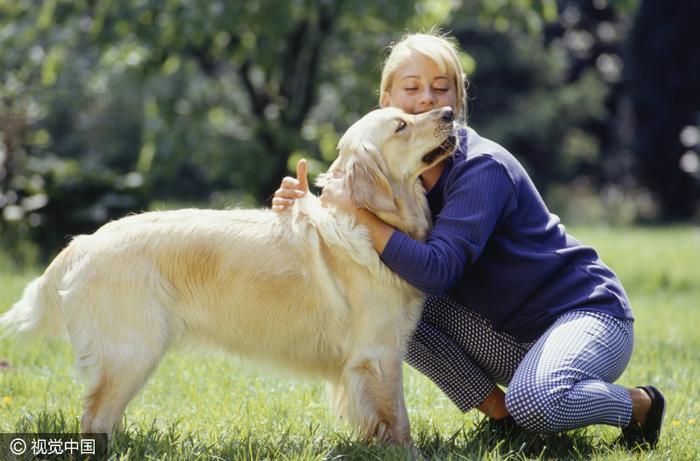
(118, 351)
(116, 384)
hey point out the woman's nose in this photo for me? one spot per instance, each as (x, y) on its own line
(427, 97)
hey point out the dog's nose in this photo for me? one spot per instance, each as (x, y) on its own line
(447, 114)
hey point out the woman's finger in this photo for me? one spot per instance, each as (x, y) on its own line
(279, 203)
(302, 177)
(283, 201)
(290, 183)
(289, 193)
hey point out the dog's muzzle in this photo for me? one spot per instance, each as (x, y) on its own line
(441, 151)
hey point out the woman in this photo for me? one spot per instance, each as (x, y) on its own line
(513, 300)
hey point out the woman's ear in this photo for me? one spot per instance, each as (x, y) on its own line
(385, 100)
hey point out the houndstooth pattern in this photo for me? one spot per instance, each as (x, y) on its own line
(460, 351)
(559, 382)
(565, 380)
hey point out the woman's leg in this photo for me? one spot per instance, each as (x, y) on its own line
(461, 352)
(565, 380)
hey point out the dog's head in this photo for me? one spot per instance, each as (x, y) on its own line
(381, 157)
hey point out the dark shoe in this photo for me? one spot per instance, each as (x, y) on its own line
(648, 433)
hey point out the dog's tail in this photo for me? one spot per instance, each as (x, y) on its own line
(39, 310)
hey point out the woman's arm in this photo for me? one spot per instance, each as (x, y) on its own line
(479, 195)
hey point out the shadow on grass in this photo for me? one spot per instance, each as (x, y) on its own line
(157, 442)
(481, 443)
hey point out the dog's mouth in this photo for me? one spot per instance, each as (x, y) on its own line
(443, 150)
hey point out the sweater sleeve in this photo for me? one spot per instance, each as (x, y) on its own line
(479, 193)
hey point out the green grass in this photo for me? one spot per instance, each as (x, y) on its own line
(204, 404)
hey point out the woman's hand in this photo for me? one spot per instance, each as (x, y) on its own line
(291, 189)
(335, 194)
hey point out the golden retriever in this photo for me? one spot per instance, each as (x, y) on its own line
(302, 289)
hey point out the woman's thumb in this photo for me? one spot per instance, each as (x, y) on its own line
(302, 175)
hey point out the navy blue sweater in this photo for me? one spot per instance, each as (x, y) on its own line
(497, 249)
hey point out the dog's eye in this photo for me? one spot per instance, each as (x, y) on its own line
(402, 126)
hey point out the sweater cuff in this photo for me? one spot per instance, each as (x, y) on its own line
(392, 254)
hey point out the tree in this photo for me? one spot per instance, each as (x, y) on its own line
(664, 76)
(176, 100)
(547, 83)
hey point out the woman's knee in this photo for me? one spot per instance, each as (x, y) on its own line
(535, 406)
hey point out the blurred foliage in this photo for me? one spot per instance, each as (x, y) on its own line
(551, 91)
(175, 99)
(664, 81)
(106, 107)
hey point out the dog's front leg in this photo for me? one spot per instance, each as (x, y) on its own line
(375, 401)
(402, 430)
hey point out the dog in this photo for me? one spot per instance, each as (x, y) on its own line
(303, 289)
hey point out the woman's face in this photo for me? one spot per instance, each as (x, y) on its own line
(419, 86)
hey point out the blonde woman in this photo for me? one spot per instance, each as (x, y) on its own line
(513, 299)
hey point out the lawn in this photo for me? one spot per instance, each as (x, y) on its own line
(204, 404)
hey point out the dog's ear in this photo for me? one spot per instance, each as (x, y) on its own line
(369, 188)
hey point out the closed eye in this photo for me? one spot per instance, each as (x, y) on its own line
(402, 126)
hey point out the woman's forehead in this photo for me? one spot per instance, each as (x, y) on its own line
(417, 65)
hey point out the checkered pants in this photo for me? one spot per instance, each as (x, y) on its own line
(561, 381)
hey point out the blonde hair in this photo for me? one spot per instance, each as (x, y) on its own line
(440, 48)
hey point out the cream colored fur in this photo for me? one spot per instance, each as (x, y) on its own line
(303, 289)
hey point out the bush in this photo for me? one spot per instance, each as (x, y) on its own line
(53, 199)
